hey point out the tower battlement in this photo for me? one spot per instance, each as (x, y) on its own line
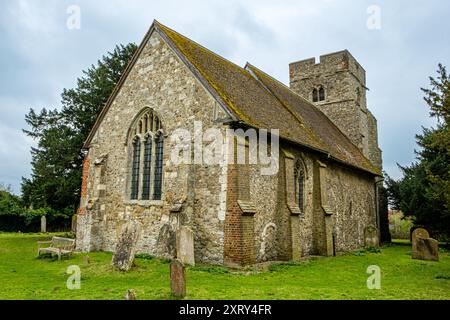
(336, 84)
(340, 61)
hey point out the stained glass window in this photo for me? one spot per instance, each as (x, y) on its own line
(147, 169)
(135, 168)
(146, 157)
(157, 191)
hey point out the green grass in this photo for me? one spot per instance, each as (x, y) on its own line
(22, 276)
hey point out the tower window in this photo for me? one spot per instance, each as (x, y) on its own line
(321, 94)
(318, 94)
(315, 95)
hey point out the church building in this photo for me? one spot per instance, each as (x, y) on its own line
(319, 200)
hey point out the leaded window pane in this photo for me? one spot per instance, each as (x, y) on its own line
(135, 169)
(147, 168)
(321, 94)
(315, 95)
(158, 168)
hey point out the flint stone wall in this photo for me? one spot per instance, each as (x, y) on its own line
(161, 82)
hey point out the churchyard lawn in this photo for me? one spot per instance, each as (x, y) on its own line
(23, 276)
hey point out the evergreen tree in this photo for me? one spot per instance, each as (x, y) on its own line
(424, 190)
(57, 160)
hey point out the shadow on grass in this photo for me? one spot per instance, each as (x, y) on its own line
(399, 242)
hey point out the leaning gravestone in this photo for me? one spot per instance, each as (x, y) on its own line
(371, 237)
(418, 233)
(178, 279)
(426, 249)
(185, 246)
(43, 224)
(126, 246)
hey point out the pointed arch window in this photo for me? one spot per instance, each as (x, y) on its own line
(146, 163)
(299, 185)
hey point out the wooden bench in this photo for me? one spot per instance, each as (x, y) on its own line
(59, 246)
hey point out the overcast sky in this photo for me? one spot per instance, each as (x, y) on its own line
(40, 55)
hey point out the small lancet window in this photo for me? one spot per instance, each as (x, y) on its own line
(321, 94)
(315, 95)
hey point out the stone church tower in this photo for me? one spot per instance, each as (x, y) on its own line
(337, 86)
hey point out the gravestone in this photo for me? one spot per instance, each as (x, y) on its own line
(178, 279)
(130, 295)
(418, 233)
(371, 237)
(126, 246)
(43, 224)
(86, 260)
(185, 246)
(426, 249)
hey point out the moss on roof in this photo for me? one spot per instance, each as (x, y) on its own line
(263, 102)
(338, 144)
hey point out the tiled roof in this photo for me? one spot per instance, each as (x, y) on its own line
(259, 100)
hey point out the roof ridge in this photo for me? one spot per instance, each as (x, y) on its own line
(201, 46)
(293, 113)
(278, 81)
(230, 105)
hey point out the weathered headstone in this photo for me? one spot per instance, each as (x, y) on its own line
(418, 233)
(43, 224)
(130, 295)
(426, 249)
(74, 223)
(126, 246)
(86, 260)
(185, 246)
(178, 279)
(371, 237)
